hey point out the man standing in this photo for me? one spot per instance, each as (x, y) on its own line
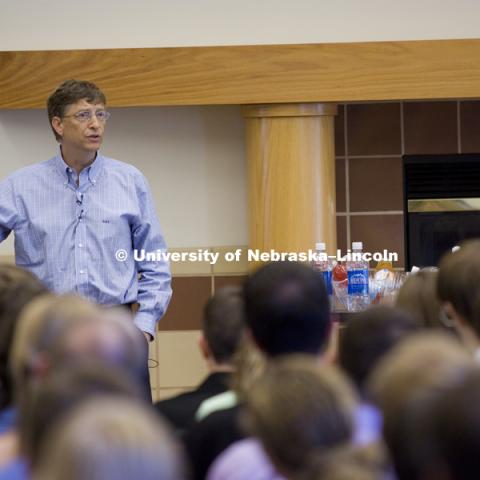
(79, 217)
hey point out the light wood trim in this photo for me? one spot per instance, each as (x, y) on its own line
(291, 179)
(432, 69)
(289, 110)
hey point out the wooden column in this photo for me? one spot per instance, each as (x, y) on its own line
(291, 176)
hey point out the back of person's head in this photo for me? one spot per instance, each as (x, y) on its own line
(64, 388)
(459, 283)
(17, 288)
(109, 336)
(40, 325)
(351, 462)
(404, 385)
(224, 323)
(300, 409)
(455, 426)
(419, 297)
(287, 309)
(368, 336)
(110, 438)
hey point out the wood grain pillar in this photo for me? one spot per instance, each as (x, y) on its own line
(291, 176)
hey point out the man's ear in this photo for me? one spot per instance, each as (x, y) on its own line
(203, 346)
(452, 314)
(57, 125)
(250, 338)
(40, 366)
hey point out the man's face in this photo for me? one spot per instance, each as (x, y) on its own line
(77, 132)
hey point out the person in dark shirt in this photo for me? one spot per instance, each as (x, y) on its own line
(287, 312)
(222, 330)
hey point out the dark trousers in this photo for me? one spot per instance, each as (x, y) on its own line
(145, 374)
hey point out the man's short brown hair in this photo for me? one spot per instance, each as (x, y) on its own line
(69, 92)
(459, 282)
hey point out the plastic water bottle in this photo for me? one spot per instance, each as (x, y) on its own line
(357, 270)
(324, 265)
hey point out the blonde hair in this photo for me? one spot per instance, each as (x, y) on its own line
(108, 437)
(41, 322)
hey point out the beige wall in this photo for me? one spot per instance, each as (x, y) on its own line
(50, 25)
(194, 156)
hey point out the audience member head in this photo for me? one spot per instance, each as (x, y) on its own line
(404, 385)
(42, 322)
(455, 426)
(419, 297)
(67, 330)
(352, 463)
(459, 289)
(287, 309)
(110, 438)
(17, 288)
(223, 327)
(60, 392)
(299, 410)
(109, 336)
(368, 336)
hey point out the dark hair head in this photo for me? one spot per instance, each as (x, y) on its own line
(368, 336)
(459, 282)
(70, 92)
(287, 309)
(223, 323)
(17, 288)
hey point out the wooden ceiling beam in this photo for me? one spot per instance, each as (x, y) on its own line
(342, 72)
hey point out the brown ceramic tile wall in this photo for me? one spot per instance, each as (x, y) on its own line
(369, 162)
(374, 129)
(430, 127)
(185, 310)
(470, 126)
(223, 281)
(190, 294)
(375, 184)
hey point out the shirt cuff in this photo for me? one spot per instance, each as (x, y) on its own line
(145, 323)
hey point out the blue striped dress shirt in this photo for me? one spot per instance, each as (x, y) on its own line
(69, 236)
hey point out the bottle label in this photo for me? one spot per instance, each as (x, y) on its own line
(358, 282)
(327, 277)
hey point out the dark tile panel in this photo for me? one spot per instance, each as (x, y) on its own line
(340, 185)
(470, 126)
(186, 307)
(379, 232)
(375, 184)
(342, 233)
(373, 129)
(340, 131)
(430, 127)
(228, 280)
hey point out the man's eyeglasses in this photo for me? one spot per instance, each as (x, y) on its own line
(85, 116)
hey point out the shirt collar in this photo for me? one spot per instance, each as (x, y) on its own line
(93, 170)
